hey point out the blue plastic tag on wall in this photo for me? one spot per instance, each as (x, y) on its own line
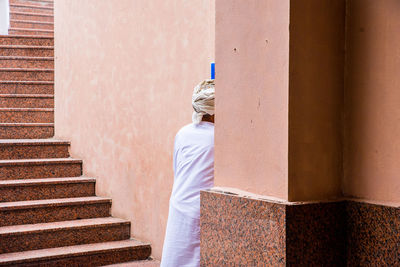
(212, 70)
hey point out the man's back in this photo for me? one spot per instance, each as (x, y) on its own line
(193, 166)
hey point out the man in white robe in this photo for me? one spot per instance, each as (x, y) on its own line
(193, 171)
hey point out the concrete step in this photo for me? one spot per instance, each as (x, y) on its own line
(33, 2)
(31, 16)
(26, 101)
(18, 74)
(48, 188)
(26, 130)
(33, 149)
(53, 210)
(26, 115)
(29, 24)
(40, 168)
(27, 87)
(32, 40)
(31, 9)
(66, 233)
(88, 255)
(26, 51)
(27, 62)
(25, 31)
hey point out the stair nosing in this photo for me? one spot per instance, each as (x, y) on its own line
(29, 142)
(31, 21)
(31, 6)
(25, 58)
(29, 82)
(47, 161)
(46, 181)
(22, 229)
(72, 251)
(26, 109)
(26, 47)
(56, 202)
(27, 36)
(30, 29)
(25, 70)
(27, 95)
(40, 1)
(26, 124)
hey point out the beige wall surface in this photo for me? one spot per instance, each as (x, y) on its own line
(372, 107)
(125, 71)
(251, 134)
(316, 99)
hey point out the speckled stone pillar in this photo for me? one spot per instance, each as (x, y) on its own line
(246, 230)
(373, 234)
(240, 230)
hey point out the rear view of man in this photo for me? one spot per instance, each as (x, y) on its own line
(193, 171)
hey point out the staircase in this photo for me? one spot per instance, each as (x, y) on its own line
(49, 213)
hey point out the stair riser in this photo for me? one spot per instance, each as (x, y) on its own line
(27, 25)
(98, 259)
(26, 116)
(32, 3)
(26, 63)
(30, 32)
(36, 10)
(40, 171)
(28, 52)
(23, 132)
(65, 237)
(35, 192)
(26, 75)
(54, 214)
(14, 88)
(26, 41)
(31, 17)
(33, 152)
(26, 102)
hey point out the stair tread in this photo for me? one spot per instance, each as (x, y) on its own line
(38, 161)
(27, 46)
(29, 204)
(27, 109)
(25, 124)
(85, 249)
(27, 36)
(53, 226)
(26, 58)
(27, 95)
(30, 29)
(50, 141)
(27, 69)
(30, 6)
(31, 21)
(138, 263)
(45, 181)
(28, 82)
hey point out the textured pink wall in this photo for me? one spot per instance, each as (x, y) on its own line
(251, 135)
(125, 71)
(372, 106)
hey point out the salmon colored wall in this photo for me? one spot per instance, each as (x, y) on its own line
(125, 71)
(316, 99)
(372, 149)
(251, 134)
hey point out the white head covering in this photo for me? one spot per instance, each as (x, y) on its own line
(203, 100)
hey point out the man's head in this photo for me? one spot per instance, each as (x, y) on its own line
(203, 100)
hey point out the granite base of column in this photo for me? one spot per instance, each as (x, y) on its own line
(246, 230)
